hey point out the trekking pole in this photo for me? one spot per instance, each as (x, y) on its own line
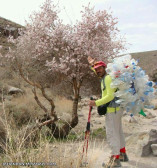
(87, 134)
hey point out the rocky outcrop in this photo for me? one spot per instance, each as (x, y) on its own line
(148, 142)
(154, 149)
(14, 90)
(8, 27)
(7, 31)
(150, 115)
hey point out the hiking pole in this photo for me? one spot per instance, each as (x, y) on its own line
(87, 134)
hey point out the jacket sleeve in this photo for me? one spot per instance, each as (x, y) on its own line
(110, 93)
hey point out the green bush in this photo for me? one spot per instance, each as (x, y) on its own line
(99, 133)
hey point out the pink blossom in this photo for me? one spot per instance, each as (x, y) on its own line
(65, 48)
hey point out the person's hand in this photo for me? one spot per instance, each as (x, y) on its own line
(91, 61)
(91, 103)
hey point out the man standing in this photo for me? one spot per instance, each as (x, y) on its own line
(114, 132)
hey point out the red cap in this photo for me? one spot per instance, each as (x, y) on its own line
(99, 64)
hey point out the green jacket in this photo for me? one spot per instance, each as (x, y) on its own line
(107, 95)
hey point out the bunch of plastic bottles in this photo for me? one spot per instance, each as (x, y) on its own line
(135, 91)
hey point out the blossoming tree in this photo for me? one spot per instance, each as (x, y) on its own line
(60, 49)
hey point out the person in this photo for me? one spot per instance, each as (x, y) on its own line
(114, 132)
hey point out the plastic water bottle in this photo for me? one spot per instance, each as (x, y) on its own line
(150, 83)
(135, 89)
(149, 106)
(128, 109)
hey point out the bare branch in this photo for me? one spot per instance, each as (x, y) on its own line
(38, 101)
(46, 123)
(27, 80)
(53, 113)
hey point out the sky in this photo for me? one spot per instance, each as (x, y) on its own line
(137, 19)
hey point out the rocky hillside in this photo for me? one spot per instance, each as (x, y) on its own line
(147, 60)
(7, 28)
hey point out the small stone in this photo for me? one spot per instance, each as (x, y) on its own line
(130, 119)
(150, 115)
(133, 120)
(155, 107)
(14, 90)
(80, 115)
(154, 149)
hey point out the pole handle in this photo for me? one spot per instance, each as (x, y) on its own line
(88, 126)
(91, 98)
(91, 108)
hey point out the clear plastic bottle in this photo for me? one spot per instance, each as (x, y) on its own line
(149, 106)
(135, 89)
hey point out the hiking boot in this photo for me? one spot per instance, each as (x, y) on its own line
(113, 163)
(123, 157)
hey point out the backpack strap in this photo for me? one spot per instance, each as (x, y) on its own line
(104, 86)
(103, 82)
(112, 103)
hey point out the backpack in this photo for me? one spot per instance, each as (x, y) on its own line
(102, 110)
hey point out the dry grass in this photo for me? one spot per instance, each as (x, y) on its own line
(63, 105)
(20, 149)
(60, 153)
(63, 154)
(23, 109)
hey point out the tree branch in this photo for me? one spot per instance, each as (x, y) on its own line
(53, 113)
(46, 123)
(38, 101)
(27, 80)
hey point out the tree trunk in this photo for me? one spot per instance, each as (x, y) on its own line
(66, 128)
